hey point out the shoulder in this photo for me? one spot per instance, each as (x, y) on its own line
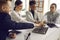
(47, 13)
(57, 13)
(13, 13)
(28, 12)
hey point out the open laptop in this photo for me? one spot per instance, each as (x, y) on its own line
(41, 30)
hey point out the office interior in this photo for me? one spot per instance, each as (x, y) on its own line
(46, 4)
(43, 6)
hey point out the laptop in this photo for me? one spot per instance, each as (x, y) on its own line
(41, 30)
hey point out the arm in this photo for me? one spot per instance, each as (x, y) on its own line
(13, 25)
(16, 17)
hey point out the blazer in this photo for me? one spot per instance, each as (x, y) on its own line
(6, 24)
(29, 16)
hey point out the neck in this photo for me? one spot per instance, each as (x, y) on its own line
(32, 10)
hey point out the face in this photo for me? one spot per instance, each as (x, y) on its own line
(52, 8)
(6, 8)
(33, 7)
(19, 7)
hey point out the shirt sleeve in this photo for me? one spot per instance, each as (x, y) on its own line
(29, 17)
(58, 20)
(13, 25)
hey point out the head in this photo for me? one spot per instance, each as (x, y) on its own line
(32, 5)
(53, 7)
(4, 7)
(18, 5)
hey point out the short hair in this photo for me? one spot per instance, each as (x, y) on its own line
(1, 4)
(32, 3)
(18, 2)
(54, 4)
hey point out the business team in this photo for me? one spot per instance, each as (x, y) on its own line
(15, 21)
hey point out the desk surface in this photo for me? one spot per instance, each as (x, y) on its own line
(52, 32)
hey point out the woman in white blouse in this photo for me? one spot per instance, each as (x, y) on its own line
(18, 15)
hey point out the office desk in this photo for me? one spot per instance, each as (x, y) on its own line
(52, 34)
(22, 36)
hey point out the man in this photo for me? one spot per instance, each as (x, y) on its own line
(6, 23)
(32, 15)
(52, 16)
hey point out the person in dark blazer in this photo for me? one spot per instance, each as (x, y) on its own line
(6, 23)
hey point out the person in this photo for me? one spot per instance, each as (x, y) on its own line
(32, 15)
(6, 23)
(17, 14)
(52, 16)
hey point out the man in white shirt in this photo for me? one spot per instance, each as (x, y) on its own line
(52, 16)
(32, 15)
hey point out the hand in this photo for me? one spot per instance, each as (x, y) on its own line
(41, 24)
(37, 22)
(37, 25)
(12, 35)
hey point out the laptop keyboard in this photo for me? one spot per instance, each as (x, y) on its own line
(41, 30)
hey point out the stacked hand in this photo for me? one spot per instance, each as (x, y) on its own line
(12, 35)
(40, 24)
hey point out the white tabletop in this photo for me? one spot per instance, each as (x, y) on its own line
(52, 34)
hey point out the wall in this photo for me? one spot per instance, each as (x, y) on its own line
(57, 2)
(46, 6)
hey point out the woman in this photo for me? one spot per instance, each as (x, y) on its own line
(17, 14)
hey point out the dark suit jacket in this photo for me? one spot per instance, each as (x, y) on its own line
(6, 23)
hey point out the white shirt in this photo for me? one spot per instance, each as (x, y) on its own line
(50, 14)
(18, 16)
(29, 16)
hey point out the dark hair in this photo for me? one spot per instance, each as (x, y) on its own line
(18, 2)
(32, 3)
(54, 4)
(14, 8)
